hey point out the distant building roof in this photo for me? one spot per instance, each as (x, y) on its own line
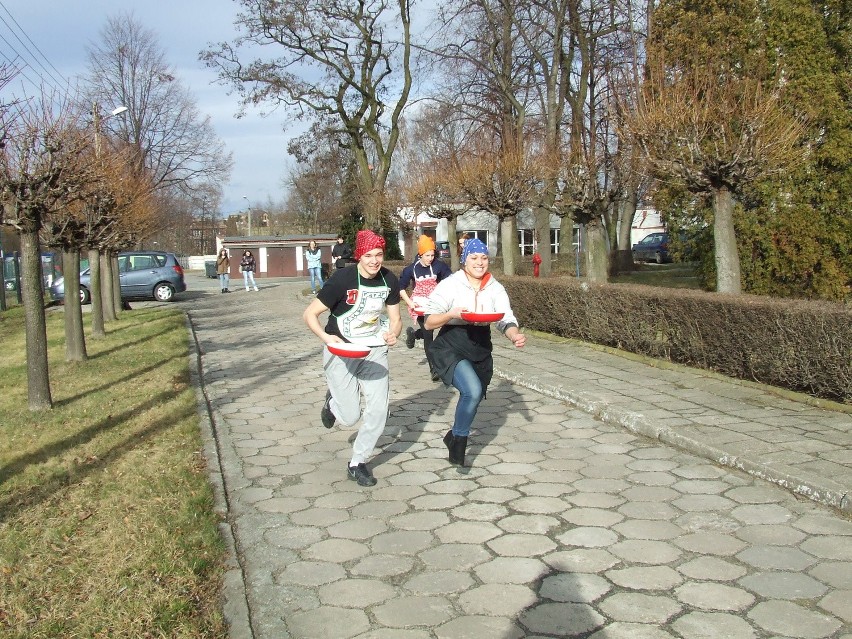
(269, 239)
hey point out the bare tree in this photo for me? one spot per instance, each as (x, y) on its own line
(37, 176)
(173, 140)
(338, 60)
(714, 137)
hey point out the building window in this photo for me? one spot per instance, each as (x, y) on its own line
(525, 241)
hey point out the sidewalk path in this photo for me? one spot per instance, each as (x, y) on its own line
(569, 522)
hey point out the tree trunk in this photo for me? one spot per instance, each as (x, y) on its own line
(38, 375)
(597, 252)
(75, 341)
(116, 284)
(542, 234)
(622, 261)
(106, 288)
(566, 237)
(452, 238)
(97, 309)
(725, 241)
(508, 233)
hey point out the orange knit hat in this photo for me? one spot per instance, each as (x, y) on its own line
(424, 244)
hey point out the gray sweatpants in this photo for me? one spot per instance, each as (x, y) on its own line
(347, 379)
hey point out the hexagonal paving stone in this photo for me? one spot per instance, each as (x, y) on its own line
(835, 547)
(383, 566)
(762, 514)
(455, 556)
(581, 560)
(415, 610)
(837, 603)
(356, 593)
(712, 625)
(439, 582)
(770, 535)
(536, 524)
(639, 607)
(497, 600)
(783, 585)
(712, 568)
(520, 545)
(588, 537)
(711, 543)
(511, 570)
(561, 619)
(645, 577)
(328, 622)
(641, 529)
(620, 630)
(713, 596)
(791, 620)
(837, 574)
(477, 627)
(646, 552)
(776, 558)
(574, 588)
(313, 573)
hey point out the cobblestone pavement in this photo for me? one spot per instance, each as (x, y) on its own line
(575, 518)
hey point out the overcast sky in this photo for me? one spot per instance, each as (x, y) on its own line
(60, 30)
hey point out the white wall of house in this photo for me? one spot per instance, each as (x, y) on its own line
(478, 223)
(645, 222)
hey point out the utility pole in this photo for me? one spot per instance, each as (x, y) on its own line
(245, 197)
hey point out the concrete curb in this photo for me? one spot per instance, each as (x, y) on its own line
(234, 602)
(813, 488)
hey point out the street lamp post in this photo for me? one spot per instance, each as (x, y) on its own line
(245, 197)
(96, 121)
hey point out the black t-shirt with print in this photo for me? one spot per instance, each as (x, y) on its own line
(342, 286)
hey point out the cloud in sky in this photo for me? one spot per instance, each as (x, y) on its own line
(62, 29)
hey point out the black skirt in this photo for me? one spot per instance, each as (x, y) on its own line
(456, 342)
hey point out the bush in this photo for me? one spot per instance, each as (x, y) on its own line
(801, 345)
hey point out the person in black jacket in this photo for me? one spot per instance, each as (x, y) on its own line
(248, 266)
(341, 253)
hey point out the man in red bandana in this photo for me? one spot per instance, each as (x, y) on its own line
(357, 298)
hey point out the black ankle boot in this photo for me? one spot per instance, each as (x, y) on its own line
(457, 447)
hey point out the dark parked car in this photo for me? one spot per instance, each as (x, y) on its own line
(143, 275)
(652, 248)
(442, 250)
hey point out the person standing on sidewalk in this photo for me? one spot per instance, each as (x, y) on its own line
(247, 266)
(341, 253)
(462, 350)
(425, 273)
(313, 257)
(223, 269)
(355, 298)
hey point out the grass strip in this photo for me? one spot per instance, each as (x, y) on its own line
(107, 526)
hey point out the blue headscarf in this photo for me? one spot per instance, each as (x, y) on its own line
(473, 245)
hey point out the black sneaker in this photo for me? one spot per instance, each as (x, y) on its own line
(435, 376)
(362, 475)
(326, 415)
(410, 337)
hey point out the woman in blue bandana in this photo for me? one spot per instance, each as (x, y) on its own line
(461, 352)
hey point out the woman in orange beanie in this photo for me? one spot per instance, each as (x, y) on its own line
(425, 273)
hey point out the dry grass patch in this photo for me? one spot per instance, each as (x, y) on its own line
(106, 520)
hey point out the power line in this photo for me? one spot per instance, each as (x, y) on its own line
(53, 81)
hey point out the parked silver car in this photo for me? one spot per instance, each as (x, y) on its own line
(143, 275)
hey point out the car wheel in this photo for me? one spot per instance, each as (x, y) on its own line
(659, 258)
(85, 296)
(164, 292)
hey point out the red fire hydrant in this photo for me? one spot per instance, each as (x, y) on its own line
(536, 263)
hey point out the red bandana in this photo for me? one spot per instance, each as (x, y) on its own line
(366, 241)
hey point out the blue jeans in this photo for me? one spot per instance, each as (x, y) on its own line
(316, 275)
(223, 279)
(470, 394)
